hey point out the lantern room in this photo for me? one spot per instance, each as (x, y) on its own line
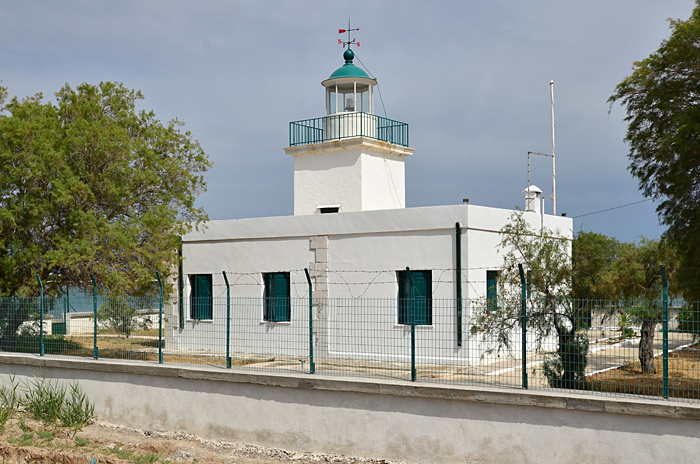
(349, 89)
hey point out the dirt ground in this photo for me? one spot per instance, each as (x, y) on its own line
(27, 441)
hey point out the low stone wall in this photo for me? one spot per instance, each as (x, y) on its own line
(414, 422)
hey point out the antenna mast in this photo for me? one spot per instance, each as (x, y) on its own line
(554, 176)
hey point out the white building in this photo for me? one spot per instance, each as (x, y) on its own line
(365, 252)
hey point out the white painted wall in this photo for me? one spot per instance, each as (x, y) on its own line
(359, 174)
(383, 181)
(365, 251)
(402, 421)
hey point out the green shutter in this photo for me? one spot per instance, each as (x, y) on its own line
(491, 289)
(404, 297)
(277, 304)
(201, 298)
(415, 297)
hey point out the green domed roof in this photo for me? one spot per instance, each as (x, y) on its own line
(349, 69)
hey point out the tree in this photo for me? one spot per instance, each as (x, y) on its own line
(90, 184)
(639, 280)
(662, 101)
(629, 273)
(546, 257)
(593, 259)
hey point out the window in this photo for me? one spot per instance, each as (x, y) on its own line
(491, 290)
(415, 297)
(200, 296)
(277, 307)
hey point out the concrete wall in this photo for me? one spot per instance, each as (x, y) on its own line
(419, 423)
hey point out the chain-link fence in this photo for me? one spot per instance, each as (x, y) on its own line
(641, 348)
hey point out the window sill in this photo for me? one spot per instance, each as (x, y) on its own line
(275, 323)
(418, 327)
(209, 321)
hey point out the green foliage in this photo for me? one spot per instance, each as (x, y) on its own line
(117, 314)
(79, 442)
(50, 402)
(26, 439)
(689, 320)
(76, 411)
(545, 256)
(567, 368)
(9, 401)
(593, 259)
(45, 435)
(43, 399)
(662, 102)
(605, 268)
(91, 184)
(128, 455)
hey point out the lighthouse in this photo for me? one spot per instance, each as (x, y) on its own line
(350, 159)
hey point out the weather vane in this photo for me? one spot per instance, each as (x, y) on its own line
(349, 41)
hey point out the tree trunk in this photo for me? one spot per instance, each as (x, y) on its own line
(646, 347)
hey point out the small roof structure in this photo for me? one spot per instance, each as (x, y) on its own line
(348, 70)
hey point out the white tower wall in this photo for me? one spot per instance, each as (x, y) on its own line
(356, 174)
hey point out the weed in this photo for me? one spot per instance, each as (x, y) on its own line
(45, 435)
(44, 399)
(23, 425)
(51, 403)
(9, 401)
(77, 411)
(147, 458)
(81, 442)
(27, 439)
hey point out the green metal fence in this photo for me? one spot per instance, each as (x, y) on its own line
(643, 348)
(347, 125)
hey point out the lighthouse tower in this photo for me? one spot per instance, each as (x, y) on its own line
(350, 159)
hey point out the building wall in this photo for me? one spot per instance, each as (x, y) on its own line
(358, 173)
(328, 179)
(383, 181)
(363, 254)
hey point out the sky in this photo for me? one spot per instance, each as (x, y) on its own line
(471, 78)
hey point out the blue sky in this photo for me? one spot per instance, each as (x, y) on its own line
(470, 78)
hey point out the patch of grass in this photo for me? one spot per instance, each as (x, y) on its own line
(147, 458)
(136, 458)
(79, 442)
(23, 425)
(27, 439)
(45, 435)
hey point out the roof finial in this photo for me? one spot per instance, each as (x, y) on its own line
(349, 41)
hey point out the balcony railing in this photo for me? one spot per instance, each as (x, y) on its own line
(346, 125)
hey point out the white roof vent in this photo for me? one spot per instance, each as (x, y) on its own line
(532, 199)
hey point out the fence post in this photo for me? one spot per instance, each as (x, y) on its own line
(41, 317)
(411, 306)
(458, 243)
(228, 321)
(523, 323)
(664, 297)
(312, 365)
(180, 288)
(160, 320)
(94, 316)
